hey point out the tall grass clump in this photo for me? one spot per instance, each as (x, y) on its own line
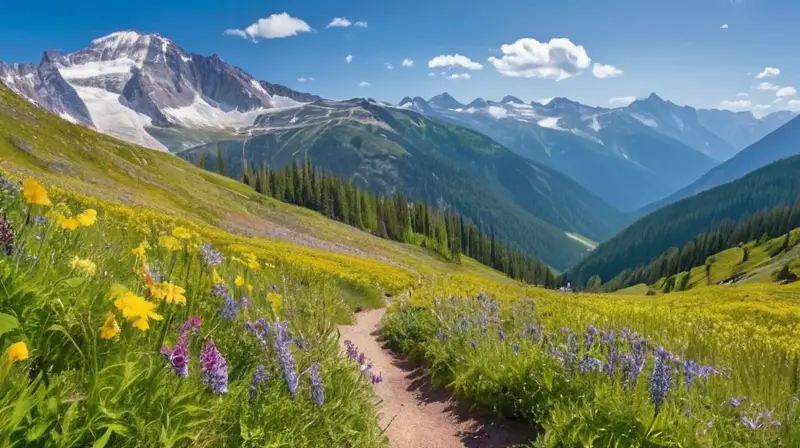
(125, 329)
(597, 375)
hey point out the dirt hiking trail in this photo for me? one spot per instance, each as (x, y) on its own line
(413, 412)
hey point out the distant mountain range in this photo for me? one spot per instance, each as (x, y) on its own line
(629, 157)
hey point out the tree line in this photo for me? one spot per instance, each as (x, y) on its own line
(393, 217)
(729, 234)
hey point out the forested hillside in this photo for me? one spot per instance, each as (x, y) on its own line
(676, 224)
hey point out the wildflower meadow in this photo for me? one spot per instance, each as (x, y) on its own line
(120, 327)
(712, 369)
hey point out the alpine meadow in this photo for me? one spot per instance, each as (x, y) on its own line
(400, 225)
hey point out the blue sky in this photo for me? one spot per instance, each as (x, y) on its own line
(676, 48)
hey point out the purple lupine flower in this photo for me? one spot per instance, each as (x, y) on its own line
(534, 333)
(282, 341)
(41, 220)
(690, 370)
(8, 186)
(501, 334)
(317, 391)
(515, 348)
(590, 364)
(736, 402)
(375, 379)
(591, 332)
(211, 256)
(6, 236)
(214, 367)
(245, 303)
(706, 372)
(220, 289)
(625, 333)
(661, 379)
(351, 350)
(463, 324)
(259, 377)
(230, 308)
(442, 336)
(259, 328)
(752, 424)
(178, 356)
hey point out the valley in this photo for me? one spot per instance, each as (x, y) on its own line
(193, 256)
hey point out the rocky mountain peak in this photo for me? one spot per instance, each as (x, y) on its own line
(445, 101)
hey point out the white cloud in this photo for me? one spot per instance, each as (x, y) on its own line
(605, 71)
(304, 79)
(778, 100)
(767, 86)
(388, 65)
(794, 105)
(543, 101)
(742, 95)
(528, 58)
(349, 58)
(341, 22)
(460, 76)
(768, 72)
(621, 101)
(786, 91)
(735, 104)
(407, 62)
(431, 74)
(724, 26)
(364, 84)
(453, 60)
(272, 27)
(762, 106)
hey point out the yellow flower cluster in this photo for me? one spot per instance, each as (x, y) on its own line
(137, 310)
(34, 193)
(86, 218)
(168, 292)
(17, 352)
(170, 243)
(83, 265)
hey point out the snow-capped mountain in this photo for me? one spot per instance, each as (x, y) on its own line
(126, 84)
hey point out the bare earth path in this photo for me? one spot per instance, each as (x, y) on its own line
(415, 414)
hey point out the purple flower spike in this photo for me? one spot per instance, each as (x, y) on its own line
(282, 341)
(317, 391)
(214, 367)
(259, 377)
(661, 379)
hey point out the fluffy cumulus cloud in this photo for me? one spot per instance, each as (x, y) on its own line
(272, 27)
(736, 104)
(341, 22)
(454, 60)
(768, 72)
(364, 84)
(724, 26)
(460, 76)
(556, 59)
(786, 91)
(349, 58)
(407, 62)
(621, 101)
(793, 105)
(605, 71)
(767, 86)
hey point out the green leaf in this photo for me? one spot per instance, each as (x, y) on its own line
(75, 282)
(102, 441)
(7, 323)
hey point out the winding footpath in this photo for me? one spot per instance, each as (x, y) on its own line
(414, 413)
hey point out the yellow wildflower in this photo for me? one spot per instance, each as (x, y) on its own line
(174, 293)
(276, 300)
(34, 192)
(252, 263)
(141, 250)
(215, 278)
(137, 309)
(83, 265)
(157, 291)
(67, 223)
(17, 352)
(110, 327)
(249, 287)
(170, 243)
(270, 265)
(87, 218)
(181, 233)
(239, 280)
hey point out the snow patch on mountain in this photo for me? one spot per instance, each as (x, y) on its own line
(647, 121)
(550, 123)
(97, 68)
(201, 114)
(112, 117)
(497, 112)
(595, 124)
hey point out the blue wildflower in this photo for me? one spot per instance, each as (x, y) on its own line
(690, 370)
(590, 364)
(259, 377)
(591, 332)
(515, 348)
(214, 367)
(41, 220)
(211, 256)
(282, 341)
(661, 379)
(501, 334)
(317, 391)
(230, 308)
